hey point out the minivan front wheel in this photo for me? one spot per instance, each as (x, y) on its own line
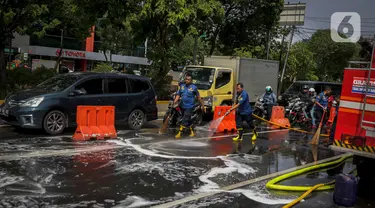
(136, 119)
(54, 122)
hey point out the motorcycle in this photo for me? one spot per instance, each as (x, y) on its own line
(260, 108)
(291, 104)
(299, 115)
(176, 113)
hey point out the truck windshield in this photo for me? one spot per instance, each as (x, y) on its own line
(201, 76)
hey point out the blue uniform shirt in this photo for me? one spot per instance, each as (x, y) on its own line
(243, 100)
(188, 94)
(322, 99)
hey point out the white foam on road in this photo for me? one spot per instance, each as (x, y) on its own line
(255, 193)
(135, 202)
(231, 167)
(192, 144)
(154, 154)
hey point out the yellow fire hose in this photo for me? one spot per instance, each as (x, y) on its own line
(319, 187)
(290, 128)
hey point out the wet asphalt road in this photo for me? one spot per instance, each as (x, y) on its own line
(141, 169)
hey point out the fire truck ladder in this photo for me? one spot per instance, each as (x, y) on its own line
(368, 95)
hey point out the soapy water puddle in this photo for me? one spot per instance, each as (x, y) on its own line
(135, 175)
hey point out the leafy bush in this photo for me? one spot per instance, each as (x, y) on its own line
(103, 67)
(21, 78)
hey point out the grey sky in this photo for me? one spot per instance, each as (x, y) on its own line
(318, 14)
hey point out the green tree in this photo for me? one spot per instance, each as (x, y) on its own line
(35, 17)
(114, 30)
(331, 57)
(301, 64)
(183, 53)
(164, 23)
(20, 16)
(76, 18)
(244, 24)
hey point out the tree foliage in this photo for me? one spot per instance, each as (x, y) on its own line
(35, 17)
(301, 64)
(331, 57)
(165, 23)
(182, 53)
(245, 23)
(114, 30)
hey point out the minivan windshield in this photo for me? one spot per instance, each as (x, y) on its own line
(201, 76)
(59, 82)
(296, 87)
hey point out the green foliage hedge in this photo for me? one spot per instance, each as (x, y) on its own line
(23, 78)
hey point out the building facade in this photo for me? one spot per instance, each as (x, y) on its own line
(76, 55)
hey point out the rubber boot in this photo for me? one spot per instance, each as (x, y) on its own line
(178, 135)
(239, 136)
(192, 133)
(255, 135)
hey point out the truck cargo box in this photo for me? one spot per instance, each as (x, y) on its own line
(255, 74)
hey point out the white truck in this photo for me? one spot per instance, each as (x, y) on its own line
(217, 78)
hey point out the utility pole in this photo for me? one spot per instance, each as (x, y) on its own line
(195, 50)
(286, 60)
(269, 43)
(146, 47)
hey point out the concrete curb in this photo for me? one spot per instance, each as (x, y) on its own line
(161, 114)
(162, 102)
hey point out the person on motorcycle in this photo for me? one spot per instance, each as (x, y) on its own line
(304, 94)
(188, 93)
(269, 98)
(243, 113)
(310, 107)
(321, 104)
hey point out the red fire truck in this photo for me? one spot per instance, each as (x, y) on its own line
(355, 127)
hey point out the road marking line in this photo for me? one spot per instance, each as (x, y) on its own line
(244, 183)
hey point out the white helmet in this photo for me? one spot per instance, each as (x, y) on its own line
(311, 90)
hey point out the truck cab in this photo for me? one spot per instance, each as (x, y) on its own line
(215, 84)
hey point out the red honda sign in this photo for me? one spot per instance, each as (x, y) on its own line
(67, 53)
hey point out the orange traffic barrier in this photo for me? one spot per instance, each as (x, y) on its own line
(95, 122)
(278, 117)
(228, 123)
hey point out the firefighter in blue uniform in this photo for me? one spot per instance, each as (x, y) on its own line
(188, 93)
(321, 104)
(243, 113)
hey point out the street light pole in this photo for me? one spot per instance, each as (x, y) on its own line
(286, 61)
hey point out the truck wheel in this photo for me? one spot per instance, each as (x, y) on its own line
(54, 122)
